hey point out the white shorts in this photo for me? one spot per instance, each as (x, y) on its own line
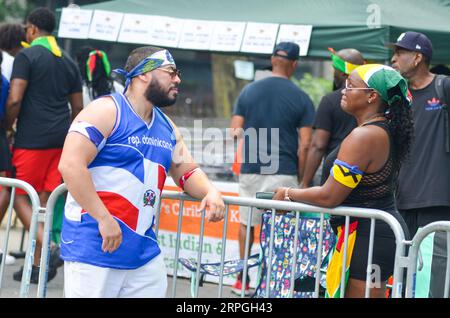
(88, 281)
(249, 184)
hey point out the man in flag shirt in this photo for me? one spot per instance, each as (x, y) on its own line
(115, 160)
(43, 81)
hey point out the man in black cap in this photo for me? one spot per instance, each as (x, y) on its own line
(423, 194)
(276, 117)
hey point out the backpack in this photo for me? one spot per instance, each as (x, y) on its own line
(444, 98)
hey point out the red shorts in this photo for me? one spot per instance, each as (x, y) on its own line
(38, 167)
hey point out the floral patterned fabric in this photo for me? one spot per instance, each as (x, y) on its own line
(283, 250)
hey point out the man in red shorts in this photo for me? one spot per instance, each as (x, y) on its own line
(43, 81)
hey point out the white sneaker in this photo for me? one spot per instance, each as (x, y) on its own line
(9, 260)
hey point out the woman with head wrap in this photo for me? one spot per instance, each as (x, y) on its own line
(363, 171)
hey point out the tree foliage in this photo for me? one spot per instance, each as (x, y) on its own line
(13, 10)
(315, 87)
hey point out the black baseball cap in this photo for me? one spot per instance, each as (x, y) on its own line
(414, 41)
(292, 50)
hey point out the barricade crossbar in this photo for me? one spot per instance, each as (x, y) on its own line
(402, 262)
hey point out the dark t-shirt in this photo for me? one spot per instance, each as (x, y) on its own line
(424, 178)
(277, 105)
(44, 117)
(332, 118)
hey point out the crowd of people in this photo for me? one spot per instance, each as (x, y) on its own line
(55, 137)
(381, 137)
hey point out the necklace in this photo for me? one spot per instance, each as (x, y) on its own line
(371, 118)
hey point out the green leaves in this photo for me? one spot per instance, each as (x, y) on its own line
(13, 10)
(316, 88)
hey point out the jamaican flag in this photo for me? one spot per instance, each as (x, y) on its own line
(49, 42)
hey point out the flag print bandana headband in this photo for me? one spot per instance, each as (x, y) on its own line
(150, 63)
(340, 64)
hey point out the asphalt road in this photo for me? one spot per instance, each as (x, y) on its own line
(11, 288)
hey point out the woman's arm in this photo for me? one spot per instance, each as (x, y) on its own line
(356, 150)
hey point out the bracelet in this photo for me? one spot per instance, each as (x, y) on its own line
(286, 194)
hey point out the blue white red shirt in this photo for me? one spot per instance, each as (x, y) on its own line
(128, 174)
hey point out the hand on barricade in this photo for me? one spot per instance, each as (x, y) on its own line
(214, 205)
(110, 232)
(280, 195)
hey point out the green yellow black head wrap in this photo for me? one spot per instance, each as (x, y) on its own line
(340, 64)
(150, 63)
(386, 81)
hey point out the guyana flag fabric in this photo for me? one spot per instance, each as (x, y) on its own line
(334, 271)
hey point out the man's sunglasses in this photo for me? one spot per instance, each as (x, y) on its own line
(172, 71)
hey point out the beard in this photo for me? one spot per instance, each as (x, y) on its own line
(156, 95)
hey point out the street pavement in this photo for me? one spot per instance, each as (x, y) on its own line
(11, 288)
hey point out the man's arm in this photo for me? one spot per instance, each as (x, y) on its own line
(14, 103)
(319, 145)
(305, 134)
(198, 184)
(78, 153)
(237, 126)
(76, 103)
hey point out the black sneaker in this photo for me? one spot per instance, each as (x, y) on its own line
(17, 276)
(55, 259)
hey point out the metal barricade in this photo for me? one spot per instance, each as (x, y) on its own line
(348, 212)
(35, 205)
(413, 256)
(46, 241)
(252, 203)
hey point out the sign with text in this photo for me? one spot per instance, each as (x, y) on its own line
(74, 23)
(259, 38)
(105, 25)
(300, 34)
(227, 36)
(135, 29)
(165, 31)
(196, 35)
